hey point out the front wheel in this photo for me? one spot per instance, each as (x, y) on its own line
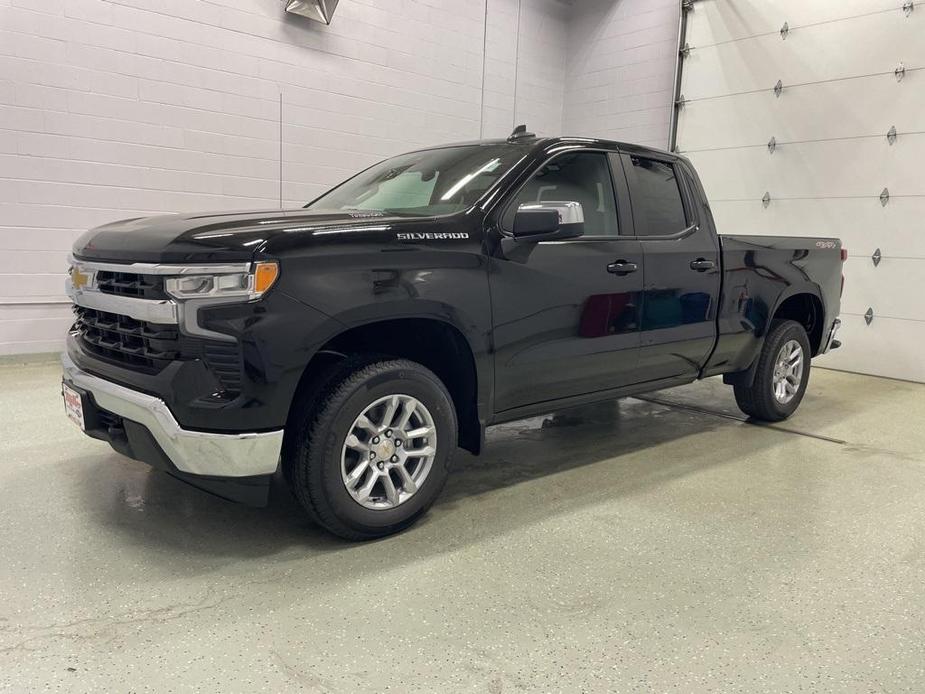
(781, 374)
(375, 452)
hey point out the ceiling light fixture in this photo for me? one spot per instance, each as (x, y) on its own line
(318, 10)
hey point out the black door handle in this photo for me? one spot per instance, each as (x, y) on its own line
(702, 265)
(622, 267)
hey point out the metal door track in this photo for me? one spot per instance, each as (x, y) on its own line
(744, 420)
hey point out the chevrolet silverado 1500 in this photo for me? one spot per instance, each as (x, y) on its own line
(356, 342)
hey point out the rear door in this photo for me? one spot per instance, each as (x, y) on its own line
(682, 268)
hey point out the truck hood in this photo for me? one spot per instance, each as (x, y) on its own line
(228, 236)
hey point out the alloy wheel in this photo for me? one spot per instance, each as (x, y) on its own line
(788, 372)
(389, 452)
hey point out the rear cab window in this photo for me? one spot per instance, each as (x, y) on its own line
(655, 192)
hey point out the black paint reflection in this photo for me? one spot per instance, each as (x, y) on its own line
(609, 314)
(667, 308)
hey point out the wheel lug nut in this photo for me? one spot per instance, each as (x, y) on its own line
(388, 432)
(397, 443)
(372, 454)
(394, 458)
(375, 439)
(380, 465)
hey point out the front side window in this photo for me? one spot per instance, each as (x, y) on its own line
(657, 206)
(582, 177)
(426, 183)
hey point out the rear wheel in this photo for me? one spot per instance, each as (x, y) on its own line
(780, 376)
(375, 452)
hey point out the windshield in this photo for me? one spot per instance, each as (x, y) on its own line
(426, 183)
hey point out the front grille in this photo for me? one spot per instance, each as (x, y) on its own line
(131, 284)
(149, 347)
(126, 341)
(146, 346)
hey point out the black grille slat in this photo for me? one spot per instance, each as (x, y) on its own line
(224, 360)
(131, 284)
(228, 361)
(160, 334)
(129, 342)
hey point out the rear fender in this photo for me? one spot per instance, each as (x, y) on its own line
(746, 377)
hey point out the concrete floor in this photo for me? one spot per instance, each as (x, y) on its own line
(636, 547)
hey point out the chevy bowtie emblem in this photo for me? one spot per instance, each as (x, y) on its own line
(79, 279)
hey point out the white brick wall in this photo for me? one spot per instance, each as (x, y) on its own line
(620, 70)
(539, 72)
(119, 108)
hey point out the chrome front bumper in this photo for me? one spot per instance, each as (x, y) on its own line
(193, 452)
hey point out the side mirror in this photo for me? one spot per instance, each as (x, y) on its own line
(549, 221)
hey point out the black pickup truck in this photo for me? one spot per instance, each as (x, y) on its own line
(356, 342)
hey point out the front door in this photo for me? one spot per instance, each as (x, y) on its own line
(566, 313)
(682, 269)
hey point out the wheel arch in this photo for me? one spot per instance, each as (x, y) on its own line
(805, 306)
(434, 342)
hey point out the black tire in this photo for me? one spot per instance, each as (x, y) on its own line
(307, 399)
(313, 457)
(758, 400)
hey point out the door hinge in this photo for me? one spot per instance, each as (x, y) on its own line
(778, 88)
(876, 257)
(869, 316)
(891, 135)
(884, 197)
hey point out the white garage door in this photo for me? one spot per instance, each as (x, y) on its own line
(850, 72)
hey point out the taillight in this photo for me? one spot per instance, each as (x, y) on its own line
(844, 254)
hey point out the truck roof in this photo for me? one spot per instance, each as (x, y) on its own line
(533, 142)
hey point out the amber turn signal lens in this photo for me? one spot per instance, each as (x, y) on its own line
(265, 275)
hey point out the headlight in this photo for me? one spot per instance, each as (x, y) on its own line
(247, 285)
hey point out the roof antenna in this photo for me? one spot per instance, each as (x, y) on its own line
(520, 132)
